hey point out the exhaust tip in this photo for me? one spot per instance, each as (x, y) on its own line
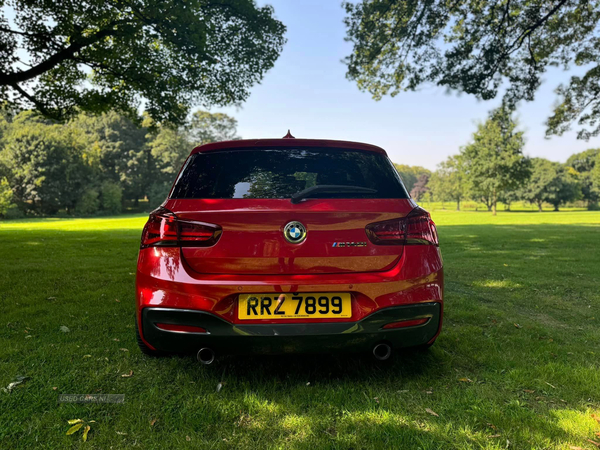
(205, 356)
(381, 352)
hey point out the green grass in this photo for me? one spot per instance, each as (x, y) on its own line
(535, 384)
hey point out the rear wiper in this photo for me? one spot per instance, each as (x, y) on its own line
(330, 189)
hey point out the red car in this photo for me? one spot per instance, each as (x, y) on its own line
(288, 245)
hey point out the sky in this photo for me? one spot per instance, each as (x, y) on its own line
(307, 92)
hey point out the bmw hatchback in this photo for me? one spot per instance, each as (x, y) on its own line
(288, 245)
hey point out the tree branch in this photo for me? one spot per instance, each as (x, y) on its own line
(20, 33)
(531, 51)
(9, 79)
(39, 105)
(521, 38)
(535, 26)
(393, 33)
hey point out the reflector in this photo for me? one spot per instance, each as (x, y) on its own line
(406, 323)
(180, 328)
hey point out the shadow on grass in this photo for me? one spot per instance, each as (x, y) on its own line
(330, 367)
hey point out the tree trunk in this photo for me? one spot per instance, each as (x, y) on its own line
(458, 205)
(555, 207)
(494, 202)
(540, 206)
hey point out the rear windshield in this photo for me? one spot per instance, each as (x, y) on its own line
(279, 173)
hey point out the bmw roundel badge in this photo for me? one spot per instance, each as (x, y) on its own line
(294, 232)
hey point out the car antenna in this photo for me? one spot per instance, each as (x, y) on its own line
(288, 136)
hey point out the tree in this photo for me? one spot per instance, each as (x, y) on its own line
(6, 196)
(95, 163)
(595, 176)
(478, 47)
(420, 188)
(116, 149)
(170, 146)
(110, 197)
(494, 161)
(550, 182)
(508, 197)
(44, 165)
(448, 182)
(205, 127)
(410, 174)
(94, 56)
(584, 163)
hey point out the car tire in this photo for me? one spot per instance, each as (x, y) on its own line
(143, 347)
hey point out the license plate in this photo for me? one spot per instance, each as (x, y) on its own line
(294, 306)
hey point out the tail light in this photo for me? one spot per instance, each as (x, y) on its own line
(414, 229)
(164, 229)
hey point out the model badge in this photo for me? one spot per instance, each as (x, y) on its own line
(349, 244)
(294, 232)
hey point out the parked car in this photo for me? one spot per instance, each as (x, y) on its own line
(288, 245)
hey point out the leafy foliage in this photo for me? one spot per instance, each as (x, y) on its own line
(205, 127)
(410, 174)
(116, 148)
(478, 47)
(510, 196)
(494, 161)
(169, 148)
(89, 203)
(157, 194)
(94, 164)
(420, 188)
(96, 56)
(45, 166)
(550, 182)
(584, 163)
(595, 176)
(6, 196)
(449, 181)
(111, 196)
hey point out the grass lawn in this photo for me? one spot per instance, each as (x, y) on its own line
(517, 364)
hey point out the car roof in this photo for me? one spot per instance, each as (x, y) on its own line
(285, 143)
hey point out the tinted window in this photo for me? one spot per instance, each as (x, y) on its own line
(279, 173)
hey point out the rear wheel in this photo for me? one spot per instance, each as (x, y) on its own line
(142, 345)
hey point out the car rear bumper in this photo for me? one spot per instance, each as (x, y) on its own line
(226, 337)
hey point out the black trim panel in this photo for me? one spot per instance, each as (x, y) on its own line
(225, 337)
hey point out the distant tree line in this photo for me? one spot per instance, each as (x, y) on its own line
(95, 163)
(100, 164)
(492, 168)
